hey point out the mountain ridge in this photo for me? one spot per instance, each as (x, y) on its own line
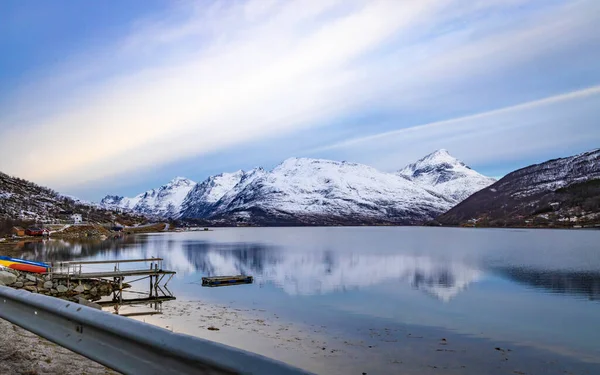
(163, 201)
(304, 191)
(308, 191)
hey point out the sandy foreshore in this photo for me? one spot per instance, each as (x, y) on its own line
(265, 333)
(372, 350)
(22, 352)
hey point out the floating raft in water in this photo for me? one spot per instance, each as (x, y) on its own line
(23, 265)
(226, 280)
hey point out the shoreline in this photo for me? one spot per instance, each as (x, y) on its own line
(319, 349)
(261, 332)
(373, 350)
(7, 242)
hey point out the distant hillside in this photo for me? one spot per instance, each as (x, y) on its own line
(22, 201)
(558, 193)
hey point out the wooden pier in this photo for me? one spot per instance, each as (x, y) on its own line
(74, 271)
(226, 280)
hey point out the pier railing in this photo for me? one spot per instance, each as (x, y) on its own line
(127, 345)
(74, 267)
(75, 271)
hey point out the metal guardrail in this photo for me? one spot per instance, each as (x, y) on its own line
(127, 345)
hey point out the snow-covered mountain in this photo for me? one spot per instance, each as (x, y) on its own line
(207, 196)
(446, 175)
(164, 201)
(316, 192)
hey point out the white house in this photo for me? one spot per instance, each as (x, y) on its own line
(77, 218)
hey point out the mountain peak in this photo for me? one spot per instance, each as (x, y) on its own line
(297, 160)
(180, 178)
(441, 156)
(222, 175)
(446, 174)
(440, 159)
(111, 200)
(441, 151)
(181, 181)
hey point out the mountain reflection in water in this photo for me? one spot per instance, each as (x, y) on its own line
(314, 272)
(517, 287)
(565, 282)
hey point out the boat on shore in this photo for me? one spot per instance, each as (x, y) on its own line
(23, 265)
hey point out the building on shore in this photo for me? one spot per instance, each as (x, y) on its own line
(34, 231)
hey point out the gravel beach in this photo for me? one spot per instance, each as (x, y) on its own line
(22, 352)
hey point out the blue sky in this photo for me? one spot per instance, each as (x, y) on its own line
(119, 97)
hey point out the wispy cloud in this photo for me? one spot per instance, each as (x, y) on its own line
(208, 76)
(472, 121)
(534, 130)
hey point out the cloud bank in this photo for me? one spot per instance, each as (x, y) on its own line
(208, 76)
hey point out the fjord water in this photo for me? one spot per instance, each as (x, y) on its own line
(535, 289)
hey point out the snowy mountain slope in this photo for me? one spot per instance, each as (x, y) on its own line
(446, 175)
(565, 190)
(247, 178)
(315, 191)
(557, 173)
(302, 191)
(202, 198)
(164, 201)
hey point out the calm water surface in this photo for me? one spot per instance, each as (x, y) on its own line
(532, 288)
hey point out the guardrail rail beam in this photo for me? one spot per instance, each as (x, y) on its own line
(127, 345)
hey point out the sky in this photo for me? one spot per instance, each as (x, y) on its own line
(120, 97)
